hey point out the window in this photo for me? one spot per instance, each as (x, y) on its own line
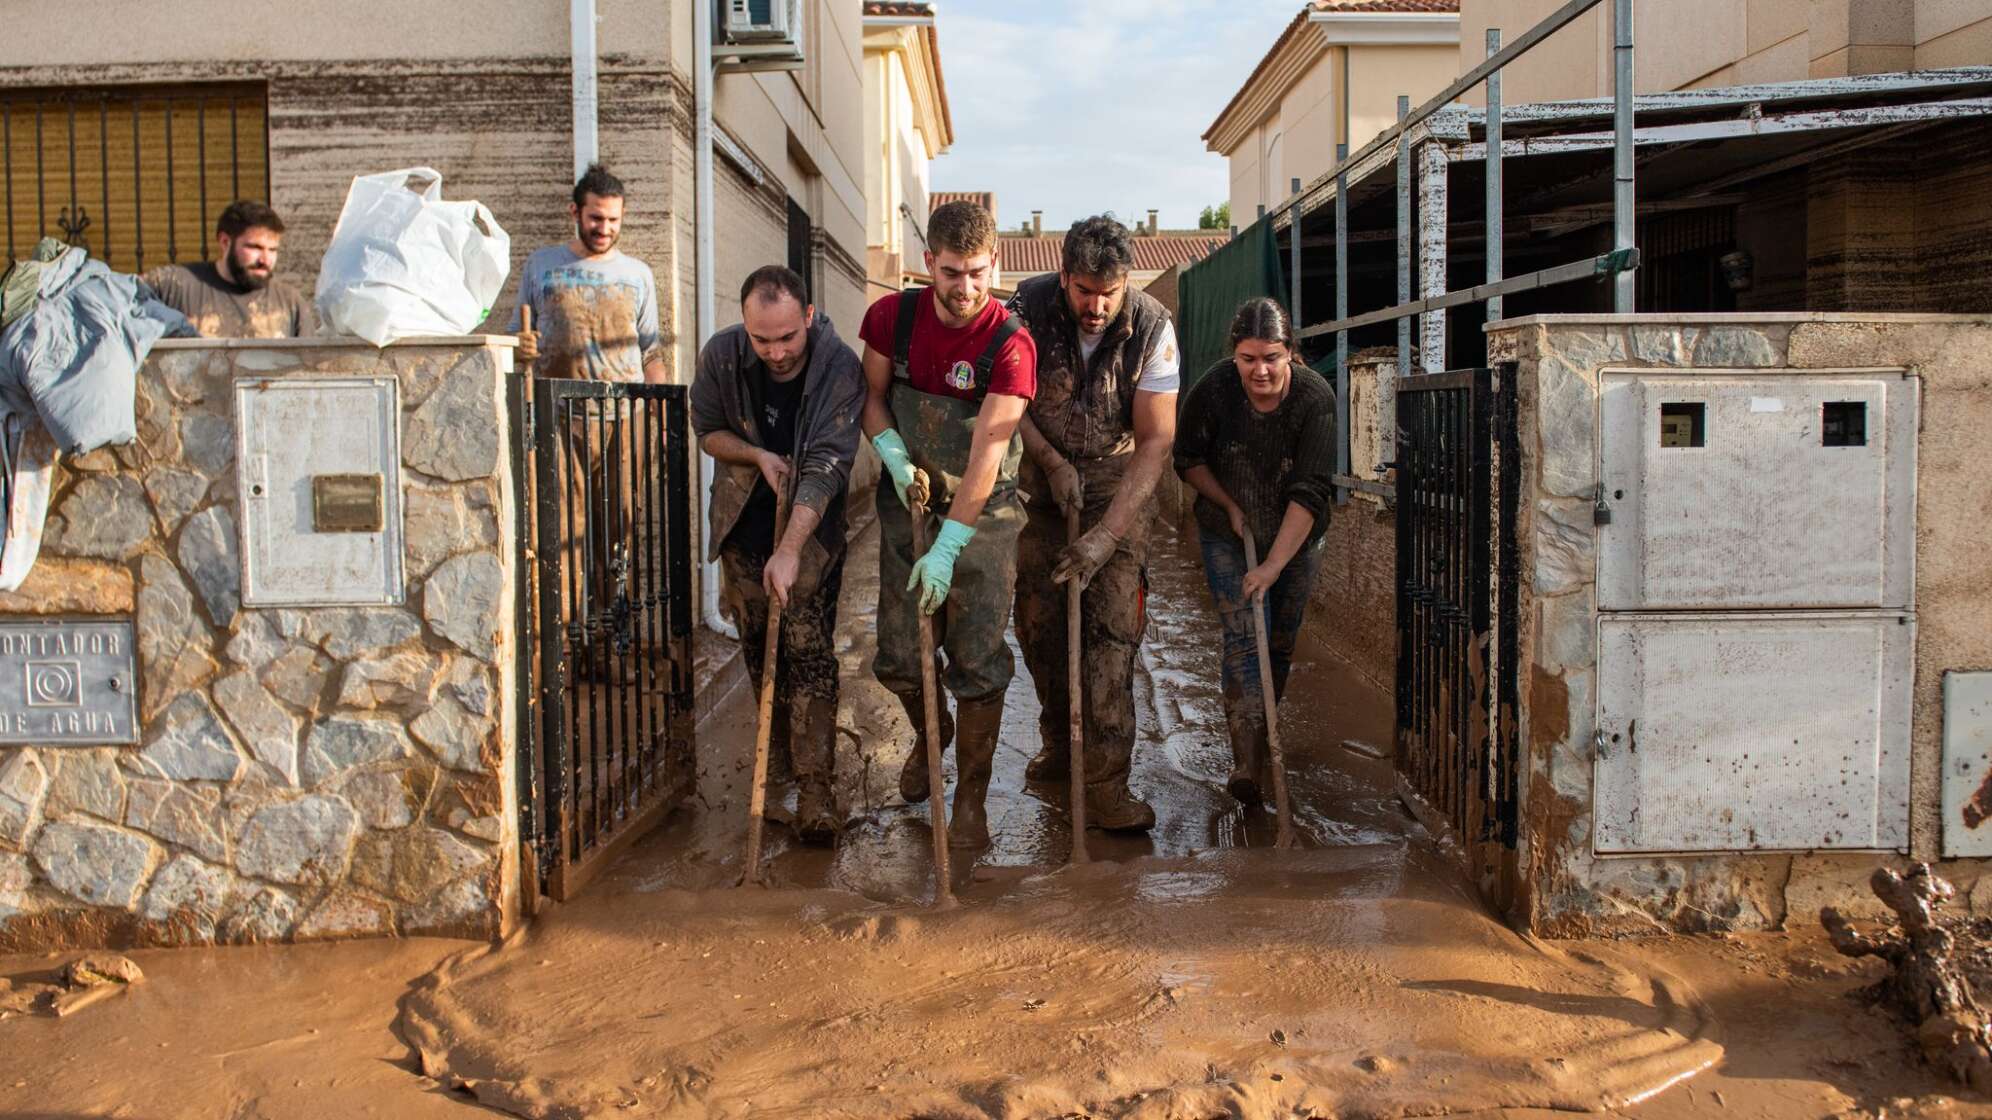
(1843, 424)
(136, 174)
(1682, 424)
(801, 247)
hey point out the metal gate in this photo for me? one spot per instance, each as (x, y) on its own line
(1458, 694)
(605, 708)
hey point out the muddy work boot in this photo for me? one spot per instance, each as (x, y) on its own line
(1053, 761)
(975, 757)
(1248, 756)
(1110, 806)
(913, 775)
(815, 743)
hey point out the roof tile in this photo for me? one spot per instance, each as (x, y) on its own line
(1024, 255)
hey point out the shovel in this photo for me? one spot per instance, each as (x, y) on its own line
(1276, 756)
(930, 690)
(1076, 737)
(757, 800)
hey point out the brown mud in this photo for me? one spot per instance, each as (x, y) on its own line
(1188, 974)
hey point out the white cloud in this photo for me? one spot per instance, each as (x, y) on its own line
(1081, 106)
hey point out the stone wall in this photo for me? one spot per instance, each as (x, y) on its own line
(1568, 889)
(303, 773)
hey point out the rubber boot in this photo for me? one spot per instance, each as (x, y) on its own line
(1110, 806)
(816, 819)
(1053, 761)
(781, 763)
(913, 775)
(1248, 756)
(975, 756)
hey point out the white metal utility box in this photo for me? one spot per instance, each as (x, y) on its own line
(1756, 589)
(319, 466)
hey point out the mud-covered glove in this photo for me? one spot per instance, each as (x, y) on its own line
(898, 464)
(934, 572)
(1063, 482)
(1083, 558)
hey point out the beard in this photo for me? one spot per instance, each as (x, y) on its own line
(253, 281)
(596, 242)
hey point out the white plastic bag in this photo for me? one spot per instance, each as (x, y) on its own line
(404, 263)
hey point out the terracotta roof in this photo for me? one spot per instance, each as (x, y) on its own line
(1022, 254)
(1386, 5)
(898, 8)
(984, 199)
(1441, 7)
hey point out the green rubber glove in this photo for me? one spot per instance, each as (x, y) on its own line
(934, 572)
(898, 464)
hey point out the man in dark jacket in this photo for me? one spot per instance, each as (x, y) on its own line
(776, 402)
(1097, 436)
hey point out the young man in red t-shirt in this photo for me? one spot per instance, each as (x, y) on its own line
(947, 374)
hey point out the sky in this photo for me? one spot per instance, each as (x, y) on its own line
(1075, 107)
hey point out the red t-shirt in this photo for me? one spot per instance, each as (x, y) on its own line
(941, 359)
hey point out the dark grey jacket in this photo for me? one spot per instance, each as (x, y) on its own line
(826, 434)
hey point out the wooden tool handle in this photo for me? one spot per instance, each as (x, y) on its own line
(930, 691)
(1075, 678)
(757, 797)
(1276, 756)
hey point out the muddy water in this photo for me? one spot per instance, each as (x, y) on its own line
(1192, 972)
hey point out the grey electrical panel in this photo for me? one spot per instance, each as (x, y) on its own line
(319, 465)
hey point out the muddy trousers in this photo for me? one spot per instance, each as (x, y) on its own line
(971, 651)
(1113, 616)
(806, 686)
(1285, 607)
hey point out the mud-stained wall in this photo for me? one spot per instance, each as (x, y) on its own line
(1569, 890)
(302, 773)
(1904, 225)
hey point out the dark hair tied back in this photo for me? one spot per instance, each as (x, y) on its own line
(1262, 318)
(598, 182)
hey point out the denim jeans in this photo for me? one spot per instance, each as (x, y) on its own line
(1285, 605)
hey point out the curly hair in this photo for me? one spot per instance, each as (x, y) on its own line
(1097, 246)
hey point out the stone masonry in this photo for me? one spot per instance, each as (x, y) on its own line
(304, 773)
(1567, 889)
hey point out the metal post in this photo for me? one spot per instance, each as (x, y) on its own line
(1293, 232)
(1622, 194)
(1495, 230)
(1403, 253)
(1432, 223)
(705, 256)
(1342, 312)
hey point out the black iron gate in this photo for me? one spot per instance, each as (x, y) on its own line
(1458, 484)
(605, 719)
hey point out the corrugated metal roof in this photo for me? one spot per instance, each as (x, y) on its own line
(1025, 254)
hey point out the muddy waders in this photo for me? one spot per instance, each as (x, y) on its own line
(970, 628)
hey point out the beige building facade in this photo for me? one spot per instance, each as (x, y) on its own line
(1332, 77)
(907, 126)
(483, 93)
(1735, 42)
